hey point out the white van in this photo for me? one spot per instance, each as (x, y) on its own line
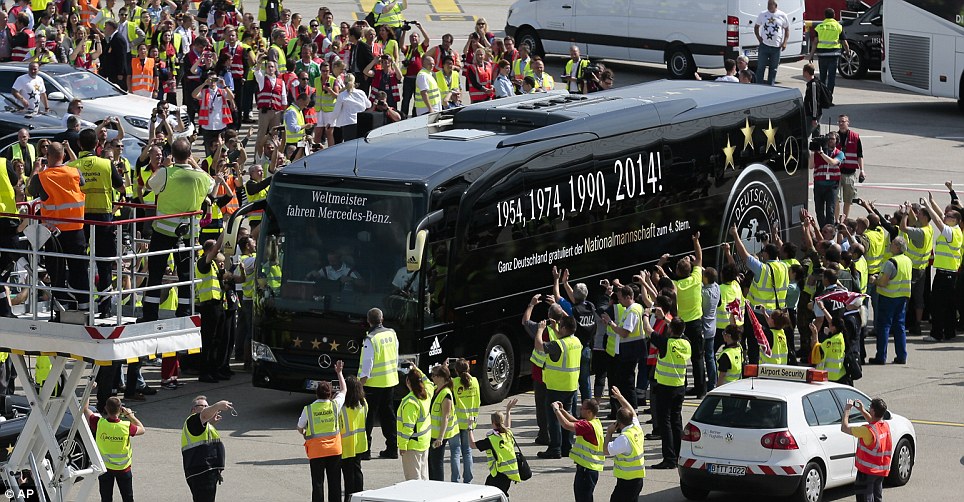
(431, 491)
(684, 34)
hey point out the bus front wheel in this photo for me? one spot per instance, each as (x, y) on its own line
(497, 369)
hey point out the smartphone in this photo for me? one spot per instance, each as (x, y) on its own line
(451, 362)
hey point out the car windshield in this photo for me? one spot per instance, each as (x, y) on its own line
(86, 85)
(742, 412)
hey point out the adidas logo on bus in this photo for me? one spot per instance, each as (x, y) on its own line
(411, 259)
(436, 348)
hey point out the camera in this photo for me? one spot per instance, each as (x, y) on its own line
(407, 25)
(762, 236)
(591, 70)
(818, 143)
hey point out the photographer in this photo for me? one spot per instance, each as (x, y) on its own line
(113, 432)
(381, 105)
(216, 102)
(593, 77)
(386, 80)
(825, 164)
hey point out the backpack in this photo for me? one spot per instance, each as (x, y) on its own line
(823, 94)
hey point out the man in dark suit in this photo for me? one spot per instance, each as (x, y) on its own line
(359, 58)
(115, 62)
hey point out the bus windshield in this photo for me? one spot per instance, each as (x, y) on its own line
(337, 250)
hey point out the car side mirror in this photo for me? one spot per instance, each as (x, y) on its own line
(56, 96)
(877, 21)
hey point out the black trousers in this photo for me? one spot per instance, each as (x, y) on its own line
(156, 265)
(212, 317)
(125, 483)
(329, 467)
(627, 489)
(869, 488)
(408, 90)
(70, 272)
(351, 471)
(188, 86)
(623, 378)
(204, 487)
(380, 406)
(943, 306)
(9, 239)
(694, 333)
(670, 417)
(500, 481)
(436, 461)
(247, 100)
(227, 338)
(584, 484)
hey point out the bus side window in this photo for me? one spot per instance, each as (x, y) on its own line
(484, 229)
(437, 258)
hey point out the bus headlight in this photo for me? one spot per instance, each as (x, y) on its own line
(261, 352)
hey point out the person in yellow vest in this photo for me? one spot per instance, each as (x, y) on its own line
(23, 150)
(948, 243)
(829, 352)
(826, 41)
(893, 286)
(625, 341)
(449, 84)
(378, 372)
(467, 401)
(202, 451)
(59, 187)
(779, 322)
(561, 376)
(574, 75)
(210, 297)
(538, 359)
(587, 452)
(768, 291)
(499, 446)
(142, 79)
(543, 80)
(11, 192)
(319, 424)
(689, 304)
(413, 425)
(521, 65)
(112, 433)
(428, 98)
(729, 362)
(389, 13)
(295, 127)
(40, 53)
(627, 450)
(256, 189)
(920, 245)
(106, 13)
(444, 424)
(674, 351)
(354, 442)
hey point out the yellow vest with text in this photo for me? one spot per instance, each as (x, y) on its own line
(97, 185)
(671, 368)
(467, 402)
(184, 191)
(385, 368)
(114, 443)
(770, 288)
(833, 357)
(728, 292)
(322, 434)
(779, 352)
(502, 458)
(436, 416)
(413, 424)
(899, 286)
(587, 454)
(563, 375)
(209, 287)
(947, 255)
(735, 355)
(354, 441)
(631, 465)
(828, 34)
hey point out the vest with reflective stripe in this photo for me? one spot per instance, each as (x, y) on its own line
(106, 15)
(142, 76)
(875, 251)
(114, 443)
(292, 138)
(828, 34)
(22, 53)
(448, 84)
(947, 255)
(352, 426)
(326, 100)
(833, 357)
(875, 461)
(412, 424)
(88, 10)
(270, 95)
(392, 18)
(482, 74)
(671, 368)
(921, 255)
(539, 358)
(8, 200)
(262, 10)
(825, 171)
(631, 465)
(467, 402)
(249, 276)
(502, 458)
(385, 367)
(587, 454)
(735, 355)
(237, 59)
(612, 338)
(520, 69)
(132, 31)
(861, 265)
(563, 375)
(254, 197)
(728, 292)
(583, 63)
(183, 192)
(775, 276)
(899, 286)
(850, 153)
(452, 429)
(149, 196)
(65, 199)
(322, 435)
(206, 101)
(209, 287)
(201, 453)
(282, 60)
(17, 153)
(434, 95)
(779, 352)
(97, 188)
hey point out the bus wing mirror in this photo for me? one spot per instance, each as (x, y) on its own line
(416, 241)
(234, 225)
(877, 21)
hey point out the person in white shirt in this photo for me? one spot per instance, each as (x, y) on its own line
(329, 464)
(213, 95)
(626, 489)
(730, 66)
(772, 30)
(186, 30)
(30, 91)
(350, 102)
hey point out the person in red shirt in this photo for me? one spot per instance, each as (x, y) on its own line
(113, 414)
(589, 430)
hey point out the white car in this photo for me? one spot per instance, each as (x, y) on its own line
(101, 98)
(780, 436)
(436, 491)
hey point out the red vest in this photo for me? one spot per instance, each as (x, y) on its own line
(207, 99)
(377, 86)
(237, 61)
(875, 461)
(850, 153)
(270, 97)
(21, 53)
(823, 171)
(483, 75)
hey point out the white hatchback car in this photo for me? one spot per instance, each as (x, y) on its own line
(780, 435)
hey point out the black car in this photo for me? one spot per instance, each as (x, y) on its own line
(12, 119)
(15, 412)
(132, 144)
(865, 36)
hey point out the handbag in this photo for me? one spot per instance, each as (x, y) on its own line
(525, 472)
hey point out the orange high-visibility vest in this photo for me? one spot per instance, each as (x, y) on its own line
(64, 196)
(22, 53)
(88, 11)
(142, 76)
(232, 205)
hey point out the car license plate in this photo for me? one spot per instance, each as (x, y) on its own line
(727, 470)
(750, 53)
(311, 384)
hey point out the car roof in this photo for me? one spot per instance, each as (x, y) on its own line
(776, 389)
(48, 68)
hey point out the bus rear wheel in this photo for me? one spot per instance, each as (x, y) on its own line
(497, 369)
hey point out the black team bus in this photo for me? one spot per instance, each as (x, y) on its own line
(449, 223)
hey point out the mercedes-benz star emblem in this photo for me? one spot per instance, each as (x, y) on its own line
(324, 361)
(352, 346)
(791, 155)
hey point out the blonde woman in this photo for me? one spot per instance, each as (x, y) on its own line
(350, 102)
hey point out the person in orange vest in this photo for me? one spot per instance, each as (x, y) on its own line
(479, 78)
(319, 425)
(142, 79)
(58, 188)
(875, 449)
(87, 10)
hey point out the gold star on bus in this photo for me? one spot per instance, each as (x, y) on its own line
(9, 450)
(748, 134)
(771, 134)
(334, 345)
(728, 150)
(296, 342)
(315, 344)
